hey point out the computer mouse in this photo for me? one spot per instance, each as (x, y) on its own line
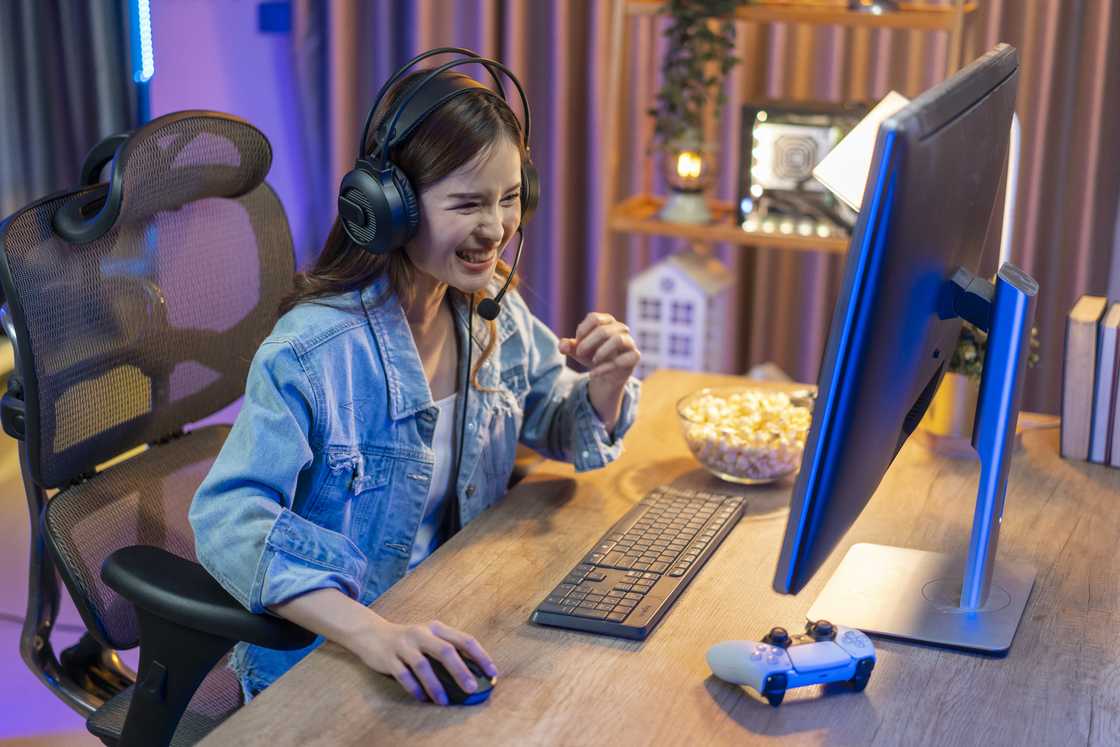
(455, 694)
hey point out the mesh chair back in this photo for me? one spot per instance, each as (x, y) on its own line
(141, 501)
(125, 339)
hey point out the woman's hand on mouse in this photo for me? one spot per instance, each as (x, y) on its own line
(604, 345)
(398, 651)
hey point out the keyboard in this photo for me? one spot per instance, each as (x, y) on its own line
(627, 583)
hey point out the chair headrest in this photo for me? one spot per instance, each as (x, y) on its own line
(175, 159)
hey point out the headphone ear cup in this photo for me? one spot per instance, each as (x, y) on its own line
(410, 205)
(378, 209)
(530, 190)
(361, 206)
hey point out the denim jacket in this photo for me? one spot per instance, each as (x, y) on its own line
(323, 478)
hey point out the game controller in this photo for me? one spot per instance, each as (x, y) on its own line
(824, 653)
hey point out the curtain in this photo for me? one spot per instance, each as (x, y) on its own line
(64, 85)
(1067, 209)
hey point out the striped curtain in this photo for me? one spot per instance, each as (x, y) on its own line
(1069, 100)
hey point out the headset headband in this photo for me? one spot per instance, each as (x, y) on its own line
(392, 137)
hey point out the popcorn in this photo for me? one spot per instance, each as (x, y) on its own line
(746, 435)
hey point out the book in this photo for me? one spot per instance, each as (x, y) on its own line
(1113, 447)
(1104, 399)
(1079, 376)
(844, 170)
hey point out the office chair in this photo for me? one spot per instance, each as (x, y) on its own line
(134, 307)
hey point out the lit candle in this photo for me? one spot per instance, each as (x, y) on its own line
(688, 165)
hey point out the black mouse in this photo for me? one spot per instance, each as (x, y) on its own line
(455, 694)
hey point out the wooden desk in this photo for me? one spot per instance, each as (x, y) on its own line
(1059, 685)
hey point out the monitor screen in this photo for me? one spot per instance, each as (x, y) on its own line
(929, 208)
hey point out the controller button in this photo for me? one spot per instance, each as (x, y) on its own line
(756, 656)
(821, 630)
(775, 683)
(778, 637)
(773, 659)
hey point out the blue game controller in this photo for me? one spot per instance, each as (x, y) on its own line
(824, 653)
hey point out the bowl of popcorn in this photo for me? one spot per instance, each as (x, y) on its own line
(747, 435)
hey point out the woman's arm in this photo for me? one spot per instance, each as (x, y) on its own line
(604, 345)
(246, 533)
(274, 560)
(567, 414)
(388, 648)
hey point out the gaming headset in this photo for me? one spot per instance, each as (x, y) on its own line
(377, 204)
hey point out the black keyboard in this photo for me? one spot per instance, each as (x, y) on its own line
(626, 584)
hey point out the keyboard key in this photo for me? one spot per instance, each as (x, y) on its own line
(611, 560)
(596, 576)
(659, 567)
(617, 616)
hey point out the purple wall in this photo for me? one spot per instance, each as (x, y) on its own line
(209, 54)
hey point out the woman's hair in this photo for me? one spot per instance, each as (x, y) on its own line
(465, 127)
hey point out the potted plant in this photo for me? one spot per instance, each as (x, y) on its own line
(700, 53)
(953, 408)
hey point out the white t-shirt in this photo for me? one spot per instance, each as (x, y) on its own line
(428, 537)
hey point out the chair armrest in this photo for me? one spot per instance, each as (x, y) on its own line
(184, 593)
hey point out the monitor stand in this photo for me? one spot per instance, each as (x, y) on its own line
(973, 602)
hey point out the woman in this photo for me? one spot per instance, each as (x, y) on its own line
(344, 468)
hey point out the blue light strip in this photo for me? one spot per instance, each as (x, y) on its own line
(145, 66)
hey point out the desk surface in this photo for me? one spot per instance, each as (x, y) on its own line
(1059, 685)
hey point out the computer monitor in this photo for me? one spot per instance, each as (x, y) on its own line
(912, 271)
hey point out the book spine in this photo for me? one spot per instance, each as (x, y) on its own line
(1102, 395)
(1114, 421)
(1078, 377)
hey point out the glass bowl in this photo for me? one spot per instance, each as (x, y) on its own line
(747, 434)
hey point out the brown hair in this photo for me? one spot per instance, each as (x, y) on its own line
(461, 129)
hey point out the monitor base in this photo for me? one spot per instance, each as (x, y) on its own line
(913, 594)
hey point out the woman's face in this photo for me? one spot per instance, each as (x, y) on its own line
(468, 217)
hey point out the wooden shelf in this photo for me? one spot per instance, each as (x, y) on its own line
(638, 214)
(921, 16)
